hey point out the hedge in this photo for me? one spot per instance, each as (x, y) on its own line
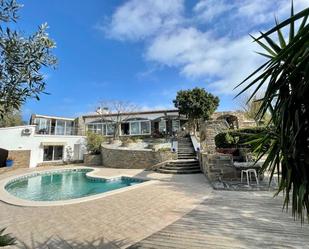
(229, 138)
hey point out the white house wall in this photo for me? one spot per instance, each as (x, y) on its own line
(11, 138)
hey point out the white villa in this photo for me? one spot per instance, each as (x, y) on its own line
(52, 139)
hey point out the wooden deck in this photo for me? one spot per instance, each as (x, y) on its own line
(233, 220)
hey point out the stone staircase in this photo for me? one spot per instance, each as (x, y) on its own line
(186, 162)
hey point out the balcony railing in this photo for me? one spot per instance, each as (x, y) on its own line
(59, 131)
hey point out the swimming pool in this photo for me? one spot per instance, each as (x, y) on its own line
(64, 185)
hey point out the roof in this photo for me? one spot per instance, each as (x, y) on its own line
(52, 117)
(131, 113)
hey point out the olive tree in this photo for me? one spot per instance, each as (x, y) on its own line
(196, 104)
(21, 60)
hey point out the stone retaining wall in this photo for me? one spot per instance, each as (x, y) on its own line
(134, 159)
(208, 131)
(21, 158)
(94, 160)
(218, 166)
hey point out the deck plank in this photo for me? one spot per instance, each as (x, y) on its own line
(233, 220)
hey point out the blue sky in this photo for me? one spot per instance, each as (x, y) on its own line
(144, 51)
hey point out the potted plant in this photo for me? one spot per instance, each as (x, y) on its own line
(9, 162)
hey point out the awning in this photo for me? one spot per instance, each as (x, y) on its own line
(52, 143)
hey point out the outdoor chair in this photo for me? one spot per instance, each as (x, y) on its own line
(248, 173)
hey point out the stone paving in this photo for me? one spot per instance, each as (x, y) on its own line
(178, 211)
(114, 221)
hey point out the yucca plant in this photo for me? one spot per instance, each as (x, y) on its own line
(6, 239)
(285, 75)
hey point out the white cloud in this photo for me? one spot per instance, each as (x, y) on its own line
(173, 39)
(200, 56)
(208, 9)
(138, 19)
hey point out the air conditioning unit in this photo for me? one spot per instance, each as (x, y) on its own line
(26, 131)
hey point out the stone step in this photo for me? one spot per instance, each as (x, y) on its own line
(183, 165)
(180, 168)
(185, 161)
(186, 153)
(180, 171)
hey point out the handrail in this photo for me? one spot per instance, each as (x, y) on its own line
(195, 143)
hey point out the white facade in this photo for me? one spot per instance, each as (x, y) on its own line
(15, 138)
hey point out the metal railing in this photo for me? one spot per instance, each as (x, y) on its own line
(59, 131)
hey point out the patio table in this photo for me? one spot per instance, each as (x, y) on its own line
(247, 165)
(250, 165)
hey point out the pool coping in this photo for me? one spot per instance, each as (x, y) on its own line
(6, 197)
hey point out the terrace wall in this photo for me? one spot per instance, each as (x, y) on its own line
(21, 159)
(134, 159)
(92, 160)
(218, 166)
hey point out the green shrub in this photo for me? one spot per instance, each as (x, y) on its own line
(94, 142)
(126, 141)
(237, 138)
(164, 149)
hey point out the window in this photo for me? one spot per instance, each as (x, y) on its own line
(90, 128)
(69, 127)
(53, 153)
(162, 125)
(175, 125)
(60, 127)
(110, 129)
(135, 128)
(42, 125)
(105, 129)
(58, 153)
(145, 127)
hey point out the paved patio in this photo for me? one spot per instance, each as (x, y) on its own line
(179, 211)
(114, 221)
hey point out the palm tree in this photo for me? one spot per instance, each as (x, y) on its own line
(286, 77)
(6, 239)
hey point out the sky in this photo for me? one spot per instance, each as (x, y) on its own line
(144, 51)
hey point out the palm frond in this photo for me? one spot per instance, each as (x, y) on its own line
(286, 73)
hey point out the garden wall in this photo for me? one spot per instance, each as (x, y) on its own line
(21, 158)
(218, 166)
(208, 131)
(93, 160)
(134, 159)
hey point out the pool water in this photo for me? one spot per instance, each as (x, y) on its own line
(64, 185)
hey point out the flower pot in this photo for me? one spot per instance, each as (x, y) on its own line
(9, 163)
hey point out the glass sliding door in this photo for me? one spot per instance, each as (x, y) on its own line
(175, 125)
(48, 153)
(135, 128)
(42, 125)
(145, 127)
(69, 125)
(162, 125)
(53, 153)
(60, 127)
(110, 129)
(58, 153)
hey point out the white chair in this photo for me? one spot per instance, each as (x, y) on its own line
(248, 173)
